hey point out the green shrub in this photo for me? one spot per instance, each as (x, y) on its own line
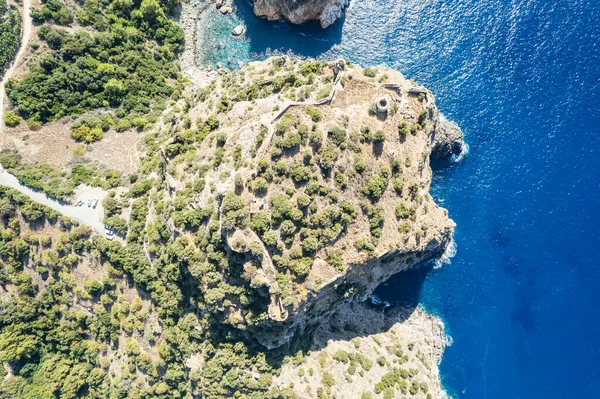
(292, 140)
(376, 218)
(234, 212)
(9, 159)
(303, 201)
(281, 207)
(87, 134)
(338, 136)
(270, 238)
(403, 130)
(11, 119)
(360, 165)
(324, 91)
(118, 224)
(310, 244)
(93, 287)
(371, 136)
(398, 185)
(287, 228)
(375, 188)
(341, 356)
(286, 122)
(219, 155)
(328, 380)
(414, 388)
(404, 228)
(123, 125)
(327, 158)
(397, 165)
(315, 114)
(316, 138)
(140, 188)
(260, 222)
(301, 173)
(310, 67)
(260, 185)
(405, 212)
(370, 72)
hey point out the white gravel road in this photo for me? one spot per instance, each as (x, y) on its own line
(83, 214)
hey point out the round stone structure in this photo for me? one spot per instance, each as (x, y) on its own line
(383, 105)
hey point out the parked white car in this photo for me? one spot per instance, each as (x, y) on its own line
(94, 202)
(89, 202)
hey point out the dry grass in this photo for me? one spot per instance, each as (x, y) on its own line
(53, 144)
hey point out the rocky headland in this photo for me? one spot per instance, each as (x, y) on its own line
(301, 11)
(335, 160)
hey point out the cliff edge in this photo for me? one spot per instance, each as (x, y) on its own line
(301, 11)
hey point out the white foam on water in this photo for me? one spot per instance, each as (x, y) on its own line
(463, 152)
(376, 300)
(446, 258)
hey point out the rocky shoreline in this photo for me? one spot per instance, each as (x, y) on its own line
(189, 14)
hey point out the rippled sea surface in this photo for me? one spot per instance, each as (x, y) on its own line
(521, 298)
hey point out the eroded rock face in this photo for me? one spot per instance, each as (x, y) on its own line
(448, 141)
(301, 11)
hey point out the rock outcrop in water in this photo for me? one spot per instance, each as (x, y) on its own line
(448, 141)
(301, 11)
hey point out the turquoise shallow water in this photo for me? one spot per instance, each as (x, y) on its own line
(521, 298)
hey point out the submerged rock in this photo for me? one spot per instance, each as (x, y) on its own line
(239, 30)
(299, 12)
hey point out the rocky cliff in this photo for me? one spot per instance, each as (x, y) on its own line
(319, 174)
(300, 11)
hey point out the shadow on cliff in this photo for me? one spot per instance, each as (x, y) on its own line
(402, 291)
(269, 37)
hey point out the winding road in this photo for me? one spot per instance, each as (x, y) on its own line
(26, 35)
(83, 214)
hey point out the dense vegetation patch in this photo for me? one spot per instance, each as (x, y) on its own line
(10, 31)
(122, 57)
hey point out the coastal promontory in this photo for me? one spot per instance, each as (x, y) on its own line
(168, 230)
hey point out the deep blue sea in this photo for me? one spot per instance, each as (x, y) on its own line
(521, 299)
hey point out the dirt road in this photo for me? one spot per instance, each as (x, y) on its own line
(26, 34)
(83, 214)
